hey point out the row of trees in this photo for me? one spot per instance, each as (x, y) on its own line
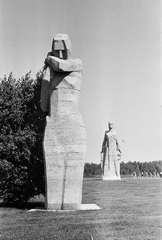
(128, 168)
(22, 125)
(141, 167)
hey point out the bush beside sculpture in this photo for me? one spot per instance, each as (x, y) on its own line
(22, 124)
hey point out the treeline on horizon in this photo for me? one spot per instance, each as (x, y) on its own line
(128, 168)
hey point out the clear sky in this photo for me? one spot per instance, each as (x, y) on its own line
(119, 42)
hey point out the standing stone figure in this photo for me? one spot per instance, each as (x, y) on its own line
(110, 155)
(65, 140)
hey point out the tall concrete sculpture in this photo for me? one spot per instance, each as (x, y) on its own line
(110, 155)
(65, 140)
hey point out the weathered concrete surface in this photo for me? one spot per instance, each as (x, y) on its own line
(65, 139)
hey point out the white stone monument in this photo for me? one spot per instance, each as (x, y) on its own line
(110, 155)
(65, 139)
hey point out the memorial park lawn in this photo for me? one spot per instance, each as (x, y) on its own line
(130, 209)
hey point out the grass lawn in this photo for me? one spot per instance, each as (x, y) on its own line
(131, 209)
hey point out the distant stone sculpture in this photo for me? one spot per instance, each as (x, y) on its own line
(110, 155)
(65, 140)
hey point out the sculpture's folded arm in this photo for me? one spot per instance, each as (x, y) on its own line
(61, 65)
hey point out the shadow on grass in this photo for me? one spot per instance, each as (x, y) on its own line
(35, 205)
(36, 202)
(28, 205)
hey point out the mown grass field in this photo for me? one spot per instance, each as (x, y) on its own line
(131, 209)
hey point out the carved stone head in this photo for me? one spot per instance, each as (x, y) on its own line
(110, 125)
(61, 46)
